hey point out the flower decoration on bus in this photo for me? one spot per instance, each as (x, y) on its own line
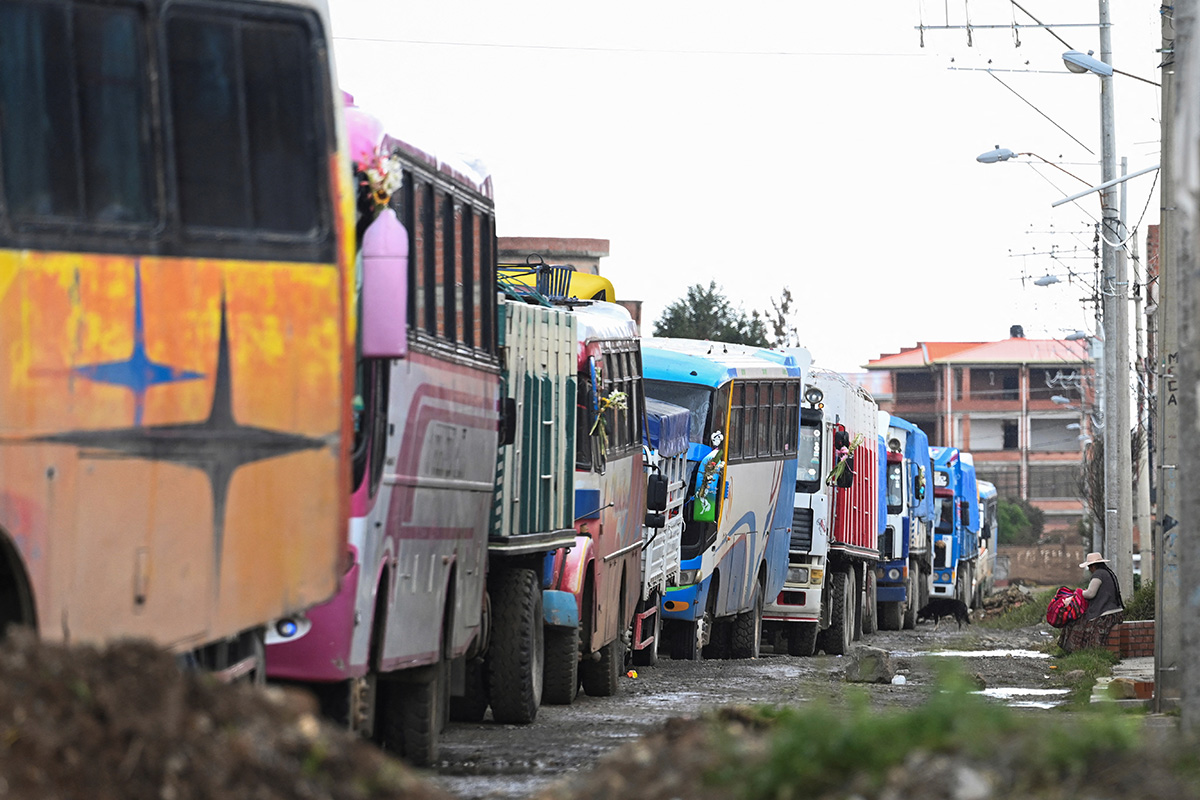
(844, 458)
(382, 175)
(618, 401)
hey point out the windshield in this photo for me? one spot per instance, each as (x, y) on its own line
(808, 466)
(895, 487)
(696, 399)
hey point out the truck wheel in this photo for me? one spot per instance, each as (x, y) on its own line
(746, 629)
(514, 660)
(561, 666)
(599, 677)
(802, 638)
(648, 655)
(685, 641)
(719, 640)
(870, 622)
(350, 703)
(473, 704)
(836, 639)
(891, 616)
(912, 605)
(855, 590)
(409, 713)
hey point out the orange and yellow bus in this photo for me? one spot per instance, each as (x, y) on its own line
(174, 321)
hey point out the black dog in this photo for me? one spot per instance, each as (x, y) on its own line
(939, 607)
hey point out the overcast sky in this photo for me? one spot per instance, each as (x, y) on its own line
(813, 145)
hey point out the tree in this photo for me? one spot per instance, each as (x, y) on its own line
(783, 327)
(706, 313)
(1020, 522)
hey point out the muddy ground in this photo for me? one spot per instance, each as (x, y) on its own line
(487, 760)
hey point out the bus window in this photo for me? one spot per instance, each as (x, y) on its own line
(696, 399)
(736, 421)
(765, 413)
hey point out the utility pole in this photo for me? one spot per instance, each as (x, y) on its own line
(1167, 629)
(1118, 500)
(1180, 613)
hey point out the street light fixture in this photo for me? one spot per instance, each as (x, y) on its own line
(1047, 280)
(1080, 63)
(1076, 336)
(1004, 154)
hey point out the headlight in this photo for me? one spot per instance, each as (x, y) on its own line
(880, 573)
(893, 574)
(797, 575)
(687, 577)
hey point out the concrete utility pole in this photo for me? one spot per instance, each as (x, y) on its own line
(1114, 292)
(1180, 615)
(1167, 639)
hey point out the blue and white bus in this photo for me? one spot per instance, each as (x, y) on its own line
(745, 418)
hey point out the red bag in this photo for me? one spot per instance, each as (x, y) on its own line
(1067, 605)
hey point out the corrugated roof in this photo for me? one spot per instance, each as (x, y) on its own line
(1005, 351)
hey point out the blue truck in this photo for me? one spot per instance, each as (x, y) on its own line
(905, 565)
(956, 524)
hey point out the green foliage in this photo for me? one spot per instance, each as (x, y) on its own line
(1141, 605)
(819, 751)
(1093, 662)
(706, 313)
(1031, 612)
(1020, 522)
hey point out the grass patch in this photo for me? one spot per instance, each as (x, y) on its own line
(1029, 613)
(817, 750)
(1094, 663)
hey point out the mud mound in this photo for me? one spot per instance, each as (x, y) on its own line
(126, 723)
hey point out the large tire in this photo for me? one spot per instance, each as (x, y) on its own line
(685, 641)
(409, 713)
(913, 604)
(599, 677)
(350, 703)
(561, 666)
(473, 704)
(870, 605)
(891, 616)
(514, 660)
(719, 639)
(836, 639)
(802, 638)
(648, 655)
(746, 629)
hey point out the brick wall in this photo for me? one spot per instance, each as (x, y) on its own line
(1132, 639)
(1045, 564)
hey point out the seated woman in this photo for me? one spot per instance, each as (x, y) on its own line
(1105, 608)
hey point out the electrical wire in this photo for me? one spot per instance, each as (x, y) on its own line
(1038, 110)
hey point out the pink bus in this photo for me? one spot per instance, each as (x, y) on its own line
(379, 655)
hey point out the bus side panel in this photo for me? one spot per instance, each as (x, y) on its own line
(439, 483)
(171, 408)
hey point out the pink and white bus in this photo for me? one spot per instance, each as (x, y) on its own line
(380, 653)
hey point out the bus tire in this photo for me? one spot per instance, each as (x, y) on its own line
(350, 703)
(514, 660)
(599, 677)
(408, 715)
(891, 616)
(719, 640)
(870, 606)
(802, 639)
(685, 641)
(561, 666)
(836, 639)
(746, 629)
(913, 604)
(472, 705)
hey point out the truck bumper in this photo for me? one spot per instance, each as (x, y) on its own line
(559, 609)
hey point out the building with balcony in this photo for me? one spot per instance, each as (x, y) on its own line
(1020, 406)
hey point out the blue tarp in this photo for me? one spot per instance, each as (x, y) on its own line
(667, 427)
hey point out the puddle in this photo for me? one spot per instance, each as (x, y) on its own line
(1018, 697)
(973, 653)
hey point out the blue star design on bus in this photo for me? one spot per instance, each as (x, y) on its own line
(218, 446)
(138, 372)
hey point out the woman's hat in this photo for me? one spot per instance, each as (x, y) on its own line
(1094, 558)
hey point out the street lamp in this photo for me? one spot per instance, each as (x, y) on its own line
(999, 154)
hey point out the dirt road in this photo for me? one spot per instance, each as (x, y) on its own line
(487, 760)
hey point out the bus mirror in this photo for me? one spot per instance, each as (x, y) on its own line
(656, 493)
(508, 421)
(385, 288)
(655, 520)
